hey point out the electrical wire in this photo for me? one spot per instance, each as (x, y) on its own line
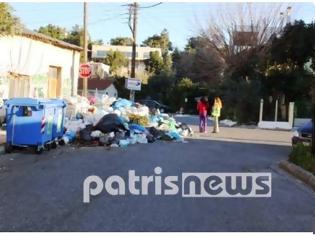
(154, 5)
(108, 18)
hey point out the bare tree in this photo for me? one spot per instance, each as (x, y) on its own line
(239, 28)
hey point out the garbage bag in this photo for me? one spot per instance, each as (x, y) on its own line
(69, 137)
(184, 129)
(141, 120)
(174, 135)
(79, 116)
(154, 120)
(85, 134)
(166, 137)
(138, 138)
(137, 128)
(110, 123)
(150, 138)
(121, 102)
(117, 137)
(96, 134)
(74, 125)
(138, 110)
(124, 143)
(141, 138)
(157, 134)
(91, 118)
(105, 140)
(171, 124)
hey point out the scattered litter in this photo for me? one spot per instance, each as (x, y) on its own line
(228, 123)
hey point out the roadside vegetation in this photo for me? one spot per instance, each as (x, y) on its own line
(301, 155)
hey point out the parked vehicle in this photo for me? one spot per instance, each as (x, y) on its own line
(155, 104)
(303, 134)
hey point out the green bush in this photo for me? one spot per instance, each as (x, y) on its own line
(301, 155)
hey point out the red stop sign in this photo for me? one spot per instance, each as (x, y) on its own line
(85, 71)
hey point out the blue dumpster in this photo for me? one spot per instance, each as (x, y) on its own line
(59, 118)
(29, 122)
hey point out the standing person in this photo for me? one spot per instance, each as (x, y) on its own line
(216, 112)
(202, 108)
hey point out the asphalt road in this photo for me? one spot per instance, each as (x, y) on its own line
(44, 193)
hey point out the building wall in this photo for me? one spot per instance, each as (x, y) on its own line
(111, 91)
(142, 53)
(25, 58)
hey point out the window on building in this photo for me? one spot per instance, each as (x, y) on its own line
(101, 53)
(129, 54)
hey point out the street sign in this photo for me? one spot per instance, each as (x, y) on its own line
(133, 84)
(85, 71)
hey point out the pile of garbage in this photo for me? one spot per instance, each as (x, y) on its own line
(118, 123)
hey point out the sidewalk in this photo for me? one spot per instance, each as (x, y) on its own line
(246, 135)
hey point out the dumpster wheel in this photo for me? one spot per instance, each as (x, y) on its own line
(8, 148)
(48, 146)
(54, 145)
(39, 150)
(61, 142)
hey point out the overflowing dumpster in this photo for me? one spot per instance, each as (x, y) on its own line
(36, 123)
(44, 123)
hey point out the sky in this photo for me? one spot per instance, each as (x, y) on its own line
(109, 20)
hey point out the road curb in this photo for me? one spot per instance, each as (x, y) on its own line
(298, 172)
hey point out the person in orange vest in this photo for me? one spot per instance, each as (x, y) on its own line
(202, 108)
(216, 112)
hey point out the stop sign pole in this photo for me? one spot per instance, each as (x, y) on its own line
(85, 86)
(85, 47)
(85, 73)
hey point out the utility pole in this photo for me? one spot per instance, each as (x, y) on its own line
(85, 47)
(134, 8)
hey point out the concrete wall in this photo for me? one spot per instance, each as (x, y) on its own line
(111, 91)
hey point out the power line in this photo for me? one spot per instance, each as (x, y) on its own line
(154, 5)
(108, 18)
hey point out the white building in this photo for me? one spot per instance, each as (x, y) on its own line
(100, 86)
(99, 52)
(35, 65)
(142, 53)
